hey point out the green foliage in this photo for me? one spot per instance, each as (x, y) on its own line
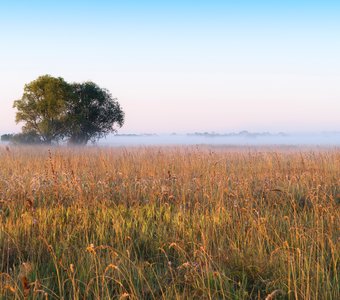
(53, 109)
(91, 113)
(43, 107)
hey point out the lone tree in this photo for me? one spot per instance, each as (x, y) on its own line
(92, 112)
(54, 110)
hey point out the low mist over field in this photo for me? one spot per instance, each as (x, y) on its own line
(321, 139)
(250, 139)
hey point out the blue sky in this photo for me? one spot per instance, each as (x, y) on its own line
(183, 65)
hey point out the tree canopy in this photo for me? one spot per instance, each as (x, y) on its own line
(91, 113)
(54, 110)
(43, 107)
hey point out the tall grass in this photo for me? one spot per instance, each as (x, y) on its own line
(169, 223)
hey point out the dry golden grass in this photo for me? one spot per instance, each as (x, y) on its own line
(169, 223)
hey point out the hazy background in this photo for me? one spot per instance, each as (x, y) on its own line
(315, 139)
(183, 66)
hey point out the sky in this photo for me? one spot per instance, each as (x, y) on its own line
(183, 66)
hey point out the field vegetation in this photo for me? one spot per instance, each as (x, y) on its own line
(169, 223)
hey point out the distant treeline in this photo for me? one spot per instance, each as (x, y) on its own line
(22, 138)
(243, 133)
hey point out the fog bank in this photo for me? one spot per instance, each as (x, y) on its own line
(322, 139)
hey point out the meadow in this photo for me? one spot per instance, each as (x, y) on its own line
(196, 222)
